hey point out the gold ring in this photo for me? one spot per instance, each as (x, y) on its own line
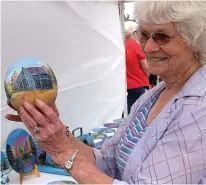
(36, 129)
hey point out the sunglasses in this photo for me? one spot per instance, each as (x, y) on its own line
(160, 38)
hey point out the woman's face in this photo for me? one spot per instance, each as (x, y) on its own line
(169, 57)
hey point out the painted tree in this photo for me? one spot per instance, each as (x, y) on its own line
(33, 146)
(9, 153)
(14, 77)
(21, 149)
(14, 152)
(9, 89)
(27, 147)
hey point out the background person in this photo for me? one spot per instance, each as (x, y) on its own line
(136, 66)
(152, 80)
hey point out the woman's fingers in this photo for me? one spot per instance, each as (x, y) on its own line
(10, 105)
(29, 122)
(54, 107)
(49, 112)
(35, 114)
(13, 117)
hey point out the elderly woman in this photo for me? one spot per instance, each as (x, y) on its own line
(163, 140)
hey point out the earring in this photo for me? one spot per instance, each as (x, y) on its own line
(196, 57)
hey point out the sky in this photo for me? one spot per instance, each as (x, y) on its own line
(129, 9)
(24, 62)
(17, 137)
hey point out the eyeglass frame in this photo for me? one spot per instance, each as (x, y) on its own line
(149, 35)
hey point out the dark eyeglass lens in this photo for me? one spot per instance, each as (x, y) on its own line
(143, 36)
(161, 38)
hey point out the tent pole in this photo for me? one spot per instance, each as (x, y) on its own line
(121, 13)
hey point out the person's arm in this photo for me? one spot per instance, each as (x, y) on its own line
(142, 59)
(86, 173)
(103, 159)
(105, 162)
(83, 148)
(144, 66)
(52, 137)
(89, 154)
(105, 167)
(177, 158)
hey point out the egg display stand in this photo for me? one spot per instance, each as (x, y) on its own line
(33, 172)
(22, 154)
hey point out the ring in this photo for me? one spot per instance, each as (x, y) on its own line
(36, 129)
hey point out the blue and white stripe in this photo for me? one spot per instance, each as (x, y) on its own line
(133, 133)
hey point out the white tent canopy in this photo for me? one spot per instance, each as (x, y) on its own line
(82, 42)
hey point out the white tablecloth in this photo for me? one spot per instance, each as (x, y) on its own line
(44, 178)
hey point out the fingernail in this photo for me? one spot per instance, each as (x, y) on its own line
(27, 105)
(39, 103)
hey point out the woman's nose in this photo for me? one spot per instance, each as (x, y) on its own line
(150, 46)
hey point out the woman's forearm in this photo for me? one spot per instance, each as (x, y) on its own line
(84, 172)
(83, 149)
(83, 169)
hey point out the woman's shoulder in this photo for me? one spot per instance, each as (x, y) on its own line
(193, 92)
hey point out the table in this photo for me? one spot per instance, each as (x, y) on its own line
(44, 178)
(99, 134)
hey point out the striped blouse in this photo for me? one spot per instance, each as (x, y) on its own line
(133, 133)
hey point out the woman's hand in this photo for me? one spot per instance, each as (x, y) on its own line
(17, 118)
(51, 133)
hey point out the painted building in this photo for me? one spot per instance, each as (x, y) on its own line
(33, 78)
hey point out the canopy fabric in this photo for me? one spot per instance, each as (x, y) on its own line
(82, 42)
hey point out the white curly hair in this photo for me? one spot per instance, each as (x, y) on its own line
(129, 28)
(189, 18)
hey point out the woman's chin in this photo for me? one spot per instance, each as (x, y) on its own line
(156, 71)
(157, 68)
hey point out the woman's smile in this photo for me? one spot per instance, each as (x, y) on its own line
(157, 59)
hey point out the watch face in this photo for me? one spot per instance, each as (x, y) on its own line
(68, 165)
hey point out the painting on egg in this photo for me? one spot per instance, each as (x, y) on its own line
(28, 79)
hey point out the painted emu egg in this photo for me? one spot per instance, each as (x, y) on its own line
(28, 79)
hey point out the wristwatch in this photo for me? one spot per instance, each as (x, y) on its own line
(69, 163)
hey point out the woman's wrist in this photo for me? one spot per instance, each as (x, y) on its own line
(65, 156)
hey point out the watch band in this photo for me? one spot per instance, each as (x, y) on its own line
(74, 155)
(68, 164)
